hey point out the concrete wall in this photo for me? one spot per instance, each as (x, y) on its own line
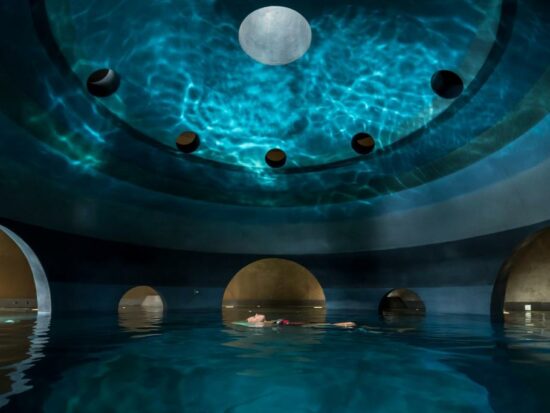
(445, 299)
(529, 271)
(455, 277)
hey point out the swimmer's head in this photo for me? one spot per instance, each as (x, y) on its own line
(257, 318)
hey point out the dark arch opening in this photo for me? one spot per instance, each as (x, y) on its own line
(274, 287)
(522, 287)
(401, 301)
(103, 82)
(23, 283)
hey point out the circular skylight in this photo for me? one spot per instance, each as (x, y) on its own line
(275, 35)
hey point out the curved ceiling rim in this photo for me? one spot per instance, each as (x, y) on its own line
(530, 107)
(386, 184)
(507, 15)
(408, 179)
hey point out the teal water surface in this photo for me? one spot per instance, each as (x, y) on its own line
(194, 362)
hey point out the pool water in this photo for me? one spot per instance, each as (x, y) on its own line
(195, 362)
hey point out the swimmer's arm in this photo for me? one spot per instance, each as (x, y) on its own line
(343, 324)
(254, 325)
(346, 324)
(316, 325)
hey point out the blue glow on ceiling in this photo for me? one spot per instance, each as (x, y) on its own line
(182, 68)
(129, 137)
(110, 168)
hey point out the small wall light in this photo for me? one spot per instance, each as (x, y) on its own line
(276, 158)
(188, 142)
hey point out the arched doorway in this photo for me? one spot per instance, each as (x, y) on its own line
(140, 310)
(23, 283)
(142, 297)
(401, 301)
(274, 286)
(522, 288)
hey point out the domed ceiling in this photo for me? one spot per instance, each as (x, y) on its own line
(109, 166)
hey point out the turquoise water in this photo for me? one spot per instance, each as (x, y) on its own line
(194, 362)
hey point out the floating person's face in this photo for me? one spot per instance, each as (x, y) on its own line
(258, 318)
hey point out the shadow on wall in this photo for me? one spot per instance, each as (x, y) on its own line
(523, 283)
(23, 283)
(276, 287)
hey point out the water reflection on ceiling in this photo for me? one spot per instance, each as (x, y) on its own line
(368, 69)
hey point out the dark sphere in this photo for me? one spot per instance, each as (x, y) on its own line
(363, 143)
(188, 142)
(103, 82)
(276, 158)
(447, 84)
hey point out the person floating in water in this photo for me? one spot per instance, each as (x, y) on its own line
(260, 320)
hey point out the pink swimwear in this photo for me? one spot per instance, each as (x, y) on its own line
(283, 322)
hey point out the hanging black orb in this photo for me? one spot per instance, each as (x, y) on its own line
(363, 143)
(188, 142)
(103, 82)
(447, 84)
(276, 158)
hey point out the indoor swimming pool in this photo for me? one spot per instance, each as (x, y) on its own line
(170, 167)
(193, 361)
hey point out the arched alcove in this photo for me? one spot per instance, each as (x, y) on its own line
(141, 297)
(140, 310)
(523, 283)
(276, 286)
(401, 301)
(23, 283)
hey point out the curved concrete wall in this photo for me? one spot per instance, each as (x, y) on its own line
(513, 195)
(455, 277)
(484, 195)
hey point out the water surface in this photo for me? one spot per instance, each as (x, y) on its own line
(194, 361)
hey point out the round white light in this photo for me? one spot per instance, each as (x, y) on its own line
(275, 35)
